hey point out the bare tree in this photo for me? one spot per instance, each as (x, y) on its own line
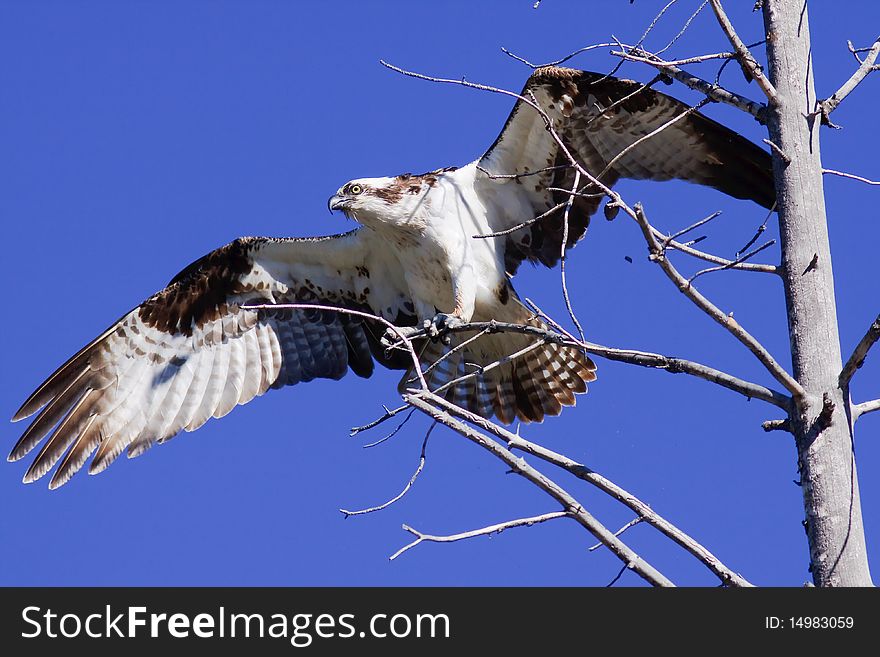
(814, 396)
(822, 418)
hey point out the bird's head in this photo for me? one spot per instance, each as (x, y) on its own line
(378, 201)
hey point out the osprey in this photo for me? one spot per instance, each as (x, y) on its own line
(194, 350)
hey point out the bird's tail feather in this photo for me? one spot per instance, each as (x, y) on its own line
(508, 376)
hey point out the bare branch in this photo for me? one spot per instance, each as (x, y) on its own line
(778, 150)
(640, 358)
(851, 176)
(758, 232)
(570, 505)
(751, 67)
(525, 224)
(616, 578)
(564, 247)
(776, 425)
(857, 359)
(393, 432)
(642, 38)
(855, 51)
(412, 480)
(684, 28)
(388, 415)
(502, 176)
(708, 257)
(739, 260)
(643, 359)
(694, 226)
(865, 407)
(657, 254)
(679, 365)
(619, 532)
(556, 62)
(696, 59)
(709, 89)
(610, 488)
(866, 66)
(485, 531)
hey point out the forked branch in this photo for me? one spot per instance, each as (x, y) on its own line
(658, 255)
(569, 504)
(868, 65)
(751, 68)
(642, 510)
(484, 531)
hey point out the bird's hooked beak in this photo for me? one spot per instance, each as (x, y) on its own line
(336, 202)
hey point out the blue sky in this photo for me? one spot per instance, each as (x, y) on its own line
(137, 136)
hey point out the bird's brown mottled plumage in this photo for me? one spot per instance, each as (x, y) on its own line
(598, 117)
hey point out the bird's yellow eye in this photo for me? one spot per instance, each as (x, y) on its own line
(354, 190)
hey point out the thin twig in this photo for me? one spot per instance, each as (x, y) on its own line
(563, 248)
(556, 62)
(370, 425)
(694, 226)
(866, 66)
(857, 359)
(758, 232)
(739, 260)
(642, 38)
(393, 433)
(575, 194)
(851, 176)
(684, 28)
(709, 89)
(620, 101)
(616, 577)
(696, 59)
(751, 67)
(524, 224)
(412, 480)
(485, 531)
(708, 257)
(513, 176)
(631, 523)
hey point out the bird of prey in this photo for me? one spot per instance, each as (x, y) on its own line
(194, 350)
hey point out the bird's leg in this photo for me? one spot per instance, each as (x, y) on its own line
(464, 293)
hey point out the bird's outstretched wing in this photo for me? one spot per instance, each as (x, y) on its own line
(192, 352)
(598, 118)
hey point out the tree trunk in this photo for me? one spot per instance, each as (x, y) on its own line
(821, 422)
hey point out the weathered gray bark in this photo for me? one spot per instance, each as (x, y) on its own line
(821, 422)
